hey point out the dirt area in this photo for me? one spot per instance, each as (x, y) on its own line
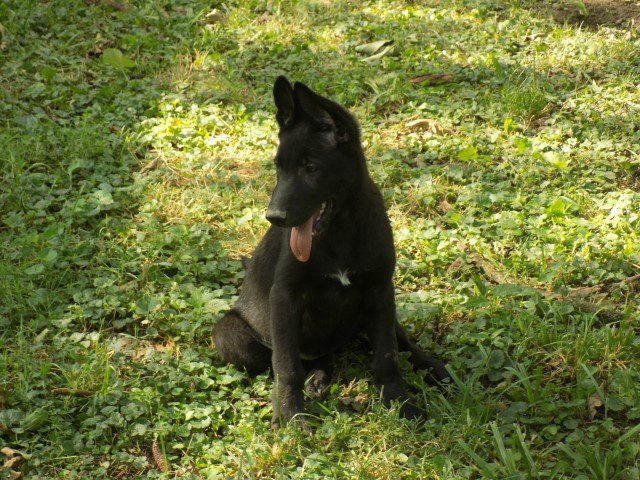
(599, 13)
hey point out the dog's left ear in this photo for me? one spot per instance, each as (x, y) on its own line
(283, 97)
(322, 120)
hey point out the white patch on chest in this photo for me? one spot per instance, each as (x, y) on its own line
(342, 277)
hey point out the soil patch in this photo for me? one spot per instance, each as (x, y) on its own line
(599, 13)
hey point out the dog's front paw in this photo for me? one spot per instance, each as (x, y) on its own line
(299, 420)
(287, 407)
(316, 384)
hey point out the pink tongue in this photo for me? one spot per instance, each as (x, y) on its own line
(301, 238)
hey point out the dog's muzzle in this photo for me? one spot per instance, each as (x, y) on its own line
(276, 217)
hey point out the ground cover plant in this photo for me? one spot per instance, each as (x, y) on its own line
(136, 141)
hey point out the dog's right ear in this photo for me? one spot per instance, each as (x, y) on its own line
(283, 97)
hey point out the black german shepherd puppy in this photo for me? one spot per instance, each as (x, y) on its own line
(322, 273)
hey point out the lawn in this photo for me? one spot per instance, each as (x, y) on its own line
(136, 146)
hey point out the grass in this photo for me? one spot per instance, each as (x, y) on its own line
(135, 147)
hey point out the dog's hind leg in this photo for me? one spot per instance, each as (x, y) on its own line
(318, 378)
(420, 360)
(236, 343)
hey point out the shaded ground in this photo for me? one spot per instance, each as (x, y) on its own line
(609, 13)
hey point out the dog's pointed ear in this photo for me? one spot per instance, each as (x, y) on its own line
(283, 98)
(308, 101)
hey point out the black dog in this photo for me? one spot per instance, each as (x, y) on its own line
(322, 274)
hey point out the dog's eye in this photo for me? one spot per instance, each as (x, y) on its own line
(310, 167)
(325, 126)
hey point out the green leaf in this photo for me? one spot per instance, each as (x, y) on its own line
(139, 429)
(514, 411)
(575, 436)
(496, 359)
(115, 58)
(146, 304)
(469, 153)
(557, 208)
(35, 269)
(480, 286)
(509, 125)
(581, 7)
(555, 160)
(510, 289)
(48, 73)
(35, 418)
(522, 144)
(103, 197)
(52, 231)
(497, 66)
(47, 255)
(441, 462)
(453, 217)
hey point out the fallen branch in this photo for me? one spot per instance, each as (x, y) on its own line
(626, 281)
(72, 392)
(492, 273)
(158, 457)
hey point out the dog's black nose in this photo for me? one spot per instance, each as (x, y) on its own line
(277, 217)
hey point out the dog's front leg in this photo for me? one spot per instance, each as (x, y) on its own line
(382, 335)
(288, 371)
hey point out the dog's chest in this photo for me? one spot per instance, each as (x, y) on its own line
(342, 277)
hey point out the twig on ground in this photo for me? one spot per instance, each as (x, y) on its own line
(157, 455)
(72, 392)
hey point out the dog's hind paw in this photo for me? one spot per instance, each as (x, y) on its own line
(316, 384)
(437, 373)
(411, 412)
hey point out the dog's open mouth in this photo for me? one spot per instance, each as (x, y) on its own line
(302, 235)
